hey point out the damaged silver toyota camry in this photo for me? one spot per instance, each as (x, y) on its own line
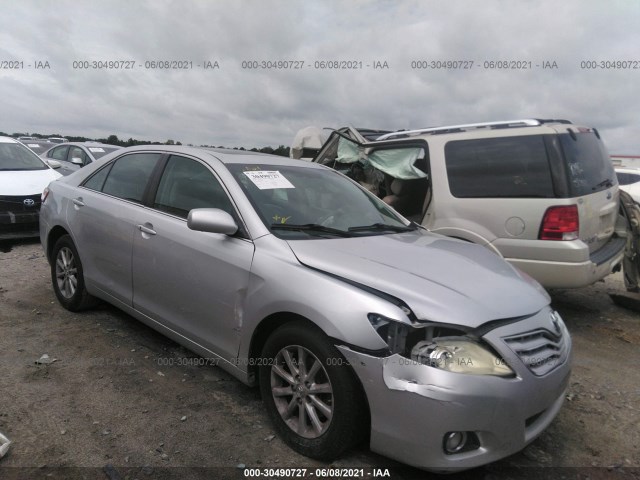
(355, 322)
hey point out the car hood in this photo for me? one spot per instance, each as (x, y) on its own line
(440, 279)
(26, 182)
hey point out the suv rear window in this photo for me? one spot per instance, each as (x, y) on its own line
(499, 167)
(588, 165)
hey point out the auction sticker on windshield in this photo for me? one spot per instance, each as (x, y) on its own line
(267, 180)
(96, 149)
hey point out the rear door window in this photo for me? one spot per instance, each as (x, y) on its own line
(129, 176)
(499, 167)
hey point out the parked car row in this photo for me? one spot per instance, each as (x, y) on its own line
(26, 138)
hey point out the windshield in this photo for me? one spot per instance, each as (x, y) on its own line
(15, 156)
(98, 152)
(301, 202)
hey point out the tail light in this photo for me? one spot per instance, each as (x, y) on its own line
(44, 195)
(560, 223)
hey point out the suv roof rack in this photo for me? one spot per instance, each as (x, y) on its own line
(529, 122)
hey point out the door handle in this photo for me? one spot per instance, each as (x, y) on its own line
(78, 202)
(147, 230)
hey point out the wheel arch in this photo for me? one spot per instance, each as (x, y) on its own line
(55, 233)
(270, 324)
(262, 332)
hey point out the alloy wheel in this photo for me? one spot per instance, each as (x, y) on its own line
(302, 391)
(66, 272)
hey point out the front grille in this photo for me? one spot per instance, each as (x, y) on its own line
(15, 203)
(540, 350)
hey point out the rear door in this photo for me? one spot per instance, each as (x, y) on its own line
(104, 213)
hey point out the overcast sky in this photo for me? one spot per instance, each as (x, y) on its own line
(236, 106)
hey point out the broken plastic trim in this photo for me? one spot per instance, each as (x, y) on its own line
(4, 445)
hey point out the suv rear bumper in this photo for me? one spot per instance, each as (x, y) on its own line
(551, 274)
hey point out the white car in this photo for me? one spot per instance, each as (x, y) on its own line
(629, 180)
(23, 177)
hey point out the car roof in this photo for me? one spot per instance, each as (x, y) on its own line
(226, 155)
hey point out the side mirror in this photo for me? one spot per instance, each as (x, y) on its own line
(54, 163)
(77, 161)
(211, 220)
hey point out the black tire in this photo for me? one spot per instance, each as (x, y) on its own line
(67, 276)
(334, 385)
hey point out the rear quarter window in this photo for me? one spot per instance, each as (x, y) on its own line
(499, 167)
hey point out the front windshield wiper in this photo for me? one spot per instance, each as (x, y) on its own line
(607, 182)
(381, 227)
(310, 227)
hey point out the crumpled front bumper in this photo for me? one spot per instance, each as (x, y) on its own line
(413, 406)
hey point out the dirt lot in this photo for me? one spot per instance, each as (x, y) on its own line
(121, 401)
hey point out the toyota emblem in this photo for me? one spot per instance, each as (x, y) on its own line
(28, 202)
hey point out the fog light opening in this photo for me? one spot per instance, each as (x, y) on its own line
(454, 442)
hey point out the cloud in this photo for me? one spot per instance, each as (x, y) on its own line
(238, 106)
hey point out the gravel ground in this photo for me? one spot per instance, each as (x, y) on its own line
(118, 400)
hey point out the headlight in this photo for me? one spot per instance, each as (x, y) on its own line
(459, 356)
(443, 347)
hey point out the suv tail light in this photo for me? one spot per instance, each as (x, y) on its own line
(560, 223)
(44, 195)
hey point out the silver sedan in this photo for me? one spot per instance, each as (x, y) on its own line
(354, 322)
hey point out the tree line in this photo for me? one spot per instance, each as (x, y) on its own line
(281, 150)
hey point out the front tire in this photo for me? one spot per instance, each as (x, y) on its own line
(311, 394)
(67, 276)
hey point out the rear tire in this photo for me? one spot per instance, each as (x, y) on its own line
(311, 394)
(67, 276)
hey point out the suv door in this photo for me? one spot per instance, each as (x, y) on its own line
(192, 282)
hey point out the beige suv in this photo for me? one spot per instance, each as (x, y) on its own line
(541, 193)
